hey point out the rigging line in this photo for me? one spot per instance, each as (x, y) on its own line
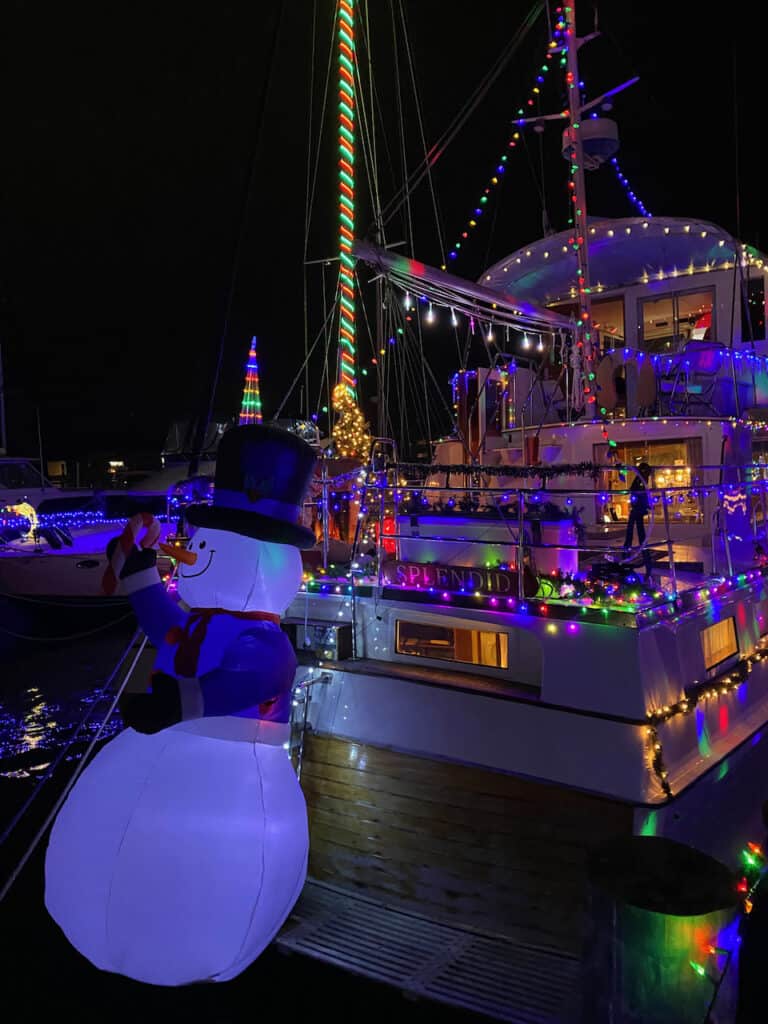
(389, 161)
(422, 360)
(389, 425)
(408, 359)
(404, 354)
(422, 134)
(246, 203)
(438, 388)
(368, 121)
(479, 392)
(321, 121)
(365, 136)
(538, 184)
(401, 118)
(492, 228)
(72, 779)
(545, 223)
(67, 636)
(307, 200)
(295, 381)
(408, 369)
(438, 148)
(734, 89)
(327, 368)
(102, 691)
(370, 334)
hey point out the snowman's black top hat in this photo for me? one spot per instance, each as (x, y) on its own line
(262, 474)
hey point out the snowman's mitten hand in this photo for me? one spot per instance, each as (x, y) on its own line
(151, 712)
(137, 560)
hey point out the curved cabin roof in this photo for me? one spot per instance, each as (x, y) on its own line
(622, 252)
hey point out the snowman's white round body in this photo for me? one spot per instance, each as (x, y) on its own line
(178, 856)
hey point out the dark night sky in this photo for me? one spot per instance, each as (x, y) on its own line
(127, 138)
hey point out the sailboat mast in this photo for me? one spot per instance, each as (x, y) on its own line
(347, 117)
(350, 432)
(567, 16)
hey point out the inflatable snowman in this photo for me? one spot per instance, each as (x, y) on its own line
(183, 846)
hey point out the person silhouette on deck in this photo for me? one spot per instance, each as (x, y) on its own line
(638, 510)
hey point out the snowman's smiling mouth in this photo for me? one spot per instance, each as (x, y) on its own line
(191, 575)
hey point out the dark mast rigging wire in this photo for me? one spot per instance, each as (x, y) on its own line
(439, 147)
(202, 431)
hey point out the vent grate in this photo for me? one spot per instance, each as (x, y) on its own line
(486, 974)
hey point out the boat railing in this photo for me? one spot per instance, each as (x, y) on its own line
(427, 499)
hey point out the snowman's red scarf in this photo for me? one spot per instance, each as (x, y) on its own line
(191, 635)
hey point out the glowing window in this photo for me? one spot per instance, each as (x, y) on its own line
(718, 642)
(471, 646)
(669, 320)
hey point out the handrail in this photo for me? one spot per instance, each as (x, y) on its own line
(530, 498)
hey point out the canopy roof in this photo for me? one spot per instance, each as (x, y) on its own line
(622, 251)
(462, 296)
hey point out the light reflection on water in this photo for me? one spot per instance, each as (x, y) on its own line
(29, 722)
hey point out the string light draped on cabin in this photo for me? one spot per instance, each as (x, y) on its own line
(250, 410)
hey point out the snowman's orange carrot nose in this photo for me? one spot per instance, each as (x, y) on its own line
(180, 554)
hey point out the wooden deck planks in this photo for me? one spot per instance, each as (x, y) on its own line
(458, 842)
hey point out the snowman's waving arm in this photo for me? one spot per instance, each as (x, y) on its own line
(156, 611)
(255, 676)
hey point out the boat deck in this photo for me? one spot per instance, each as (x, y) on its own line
(425, 959)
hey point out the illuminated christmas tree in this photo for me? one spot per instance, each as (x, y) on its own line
(351, 431)
(250, 411)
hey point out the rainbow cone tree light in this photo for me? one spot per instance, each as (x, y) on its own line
(349, 432)
(250, 410)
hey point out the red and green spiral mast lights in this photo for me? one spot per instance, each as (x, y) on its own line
(349, 432)
(250, 410)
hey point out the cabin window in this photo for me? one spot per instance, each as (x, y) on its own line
(607, 318)
(447, 643)
(753, 310)
(718, 642)
(667, 322)
(674, 466)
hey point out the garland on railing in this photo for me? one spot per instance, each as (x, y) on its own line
(415, 503)
(590, 469)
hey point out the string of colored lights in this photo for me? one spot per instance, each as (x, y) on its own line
(250, 410)
(633, 198)
(714, 689)
(497, 177)
(577, 189)
(346, 183)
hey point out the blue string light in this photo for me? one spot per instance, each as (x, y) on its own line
(637, 203)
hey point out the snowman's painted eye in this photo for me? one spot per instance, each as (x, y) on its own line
(202, 544)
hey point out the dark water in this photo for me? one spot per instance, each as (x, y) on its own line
(45, 687)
